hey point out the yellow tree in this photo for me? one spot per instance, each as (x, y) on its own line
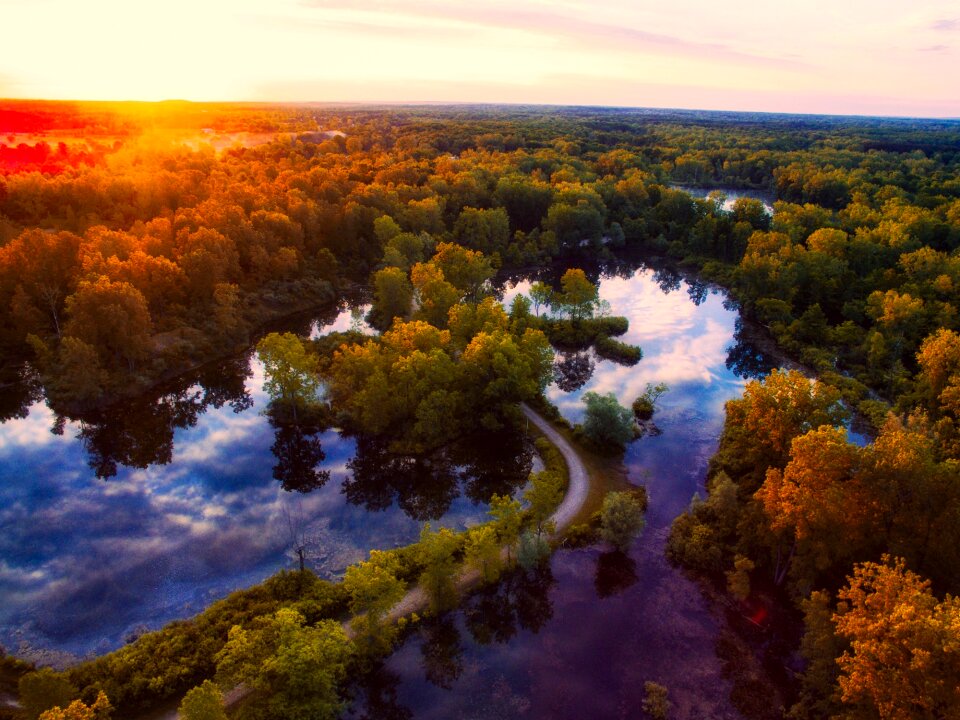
(904, 656)
(816, 504)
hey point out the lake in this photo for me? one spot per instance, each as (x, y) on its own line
(113, 525)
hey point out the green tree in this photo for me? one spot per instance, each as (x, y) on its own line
(204, 702)
(374, 589)
(291, 372)
(44, 689)
(507, 514)
(578, 295)
(533, 550)
(435, 552)
(645, 405)
(392, 297)
(482, 552)
(292, 669)
(621, 519)
(542, 295)
(606, 422)
(543, 496)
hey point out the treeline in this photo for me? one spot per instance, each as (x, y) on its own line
(179, 253)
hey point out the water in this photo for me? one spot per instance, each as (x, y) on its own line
(732, 195)
(580, 639)
(112, 525)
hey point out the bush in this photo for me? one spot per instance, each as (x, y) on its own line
(607, 423)
(621, 519)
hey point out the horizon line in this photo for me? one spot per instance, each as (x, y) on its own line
(483, 103)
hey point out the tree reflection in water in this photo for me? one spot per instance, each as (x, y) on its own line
(424, 486)
(19, 389)
(441, 651)
(520, 600)
(616, 572)
(744, 358)
(298, 452)
(572, 370)
(139, 433)
(378, 690)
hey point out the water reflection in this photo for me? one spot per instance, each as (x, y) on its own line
(616, 572)
(520, 600)
(196, 504)
(572, 370)
(745, 358)
(441, 651)
(424, 486)
(299, 452)
(582, 643)
(19, 389)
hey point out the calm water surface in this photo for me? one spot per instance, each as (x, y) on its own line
(579, 640)
(110, 526)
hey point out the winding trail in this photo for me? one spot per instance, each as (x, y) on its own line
(417, 599)
(579, 482)
(578, 486)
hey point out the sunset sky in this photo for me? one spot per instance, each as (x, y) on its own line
(885, 57)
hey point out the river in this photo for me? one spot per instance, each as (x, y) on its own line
(580, 640)
(109, 527)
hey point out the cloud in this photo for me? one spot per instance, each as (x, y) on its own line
(946, 25)
(561, 28)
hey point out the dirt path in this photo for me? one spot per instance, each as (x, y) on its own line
(416, 598)
(579, 483)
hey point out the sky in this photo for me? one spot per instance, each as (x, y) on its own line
(872, 57)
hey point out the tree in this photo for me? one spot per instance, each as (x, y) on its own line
(533, 550)
(579, 295)
(621, 519)
(655, 704)
(485, 230)
(435, 296)
(435, 552)
(204, 702)
(44, 689)
(644, 405)
(79, 710)
(374, 589)
(817, 503)
(543, 496)
(392, 297)
(291, 379)
(761, 425)
(738, 579)
(606, 422)
(292, 669)
(904, 656)
(507, 518)
(482, 552)
(112, 317)
(540, 294)
(467, 270)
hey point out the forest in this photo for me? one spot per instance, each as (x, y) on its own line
(139, 241)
